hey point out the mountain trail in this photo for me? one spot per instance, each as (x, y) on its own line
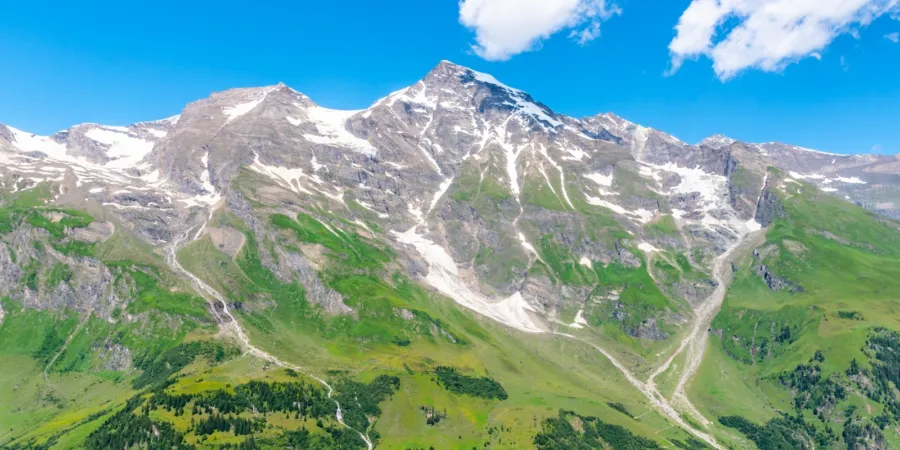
(228, 323)
(62, 350)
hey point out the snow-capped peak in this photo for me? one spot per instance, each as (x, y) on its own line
(502, 95)
(717, 141)
(482, 77)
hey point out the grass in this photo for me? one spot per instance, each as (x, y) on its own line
(149, 295)
(846, 259)
(350, 248)
(482, 191)
(560, 373)
(536, 191)
(566, 267)
(58, 274)
(35, 410)
(823, 244)
(664, 226)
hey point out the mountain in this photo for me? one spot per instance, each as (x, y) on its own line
(455, 260)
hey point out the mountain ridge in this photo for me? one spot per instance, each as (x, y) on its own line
(315, 233)
(432, 131)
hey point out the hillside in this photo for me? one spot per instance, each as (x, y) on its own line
(456, 266)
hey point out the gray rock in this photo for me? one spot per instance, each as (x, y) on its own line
(776, 283)
(769, 208)
(316, 291)
(648, 329)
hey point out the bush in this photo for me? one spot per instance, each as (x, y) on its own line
(457, 383)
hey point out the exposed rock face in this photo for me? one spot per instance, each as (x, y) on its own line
(10, 272)
(776, 283)
(316, 291)
(116, 357)
(484, 193)
(95, 232)
(769, 208)
(647, 330)
(695, 292)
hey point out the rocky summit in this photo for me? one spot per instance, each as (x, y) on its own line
(402, 258)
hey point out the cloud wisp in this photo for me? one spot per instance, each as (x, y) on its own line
(768, 35)
(505, 28)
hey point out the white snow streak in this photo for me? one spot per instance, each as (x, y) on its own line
(599, 178)
(332, 127)
(641, 215)
(233, 112)
(443, 275)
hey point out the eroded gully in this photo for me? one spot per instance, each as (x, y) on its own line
(228, 323)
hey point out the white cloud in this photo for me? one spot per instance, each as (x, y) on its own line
(504, 28)
(893, 37)
(769, 34)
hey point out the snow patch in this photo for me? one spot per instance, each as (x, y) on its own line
(288, 178)
(641, 215)
(519, 100)
(332, 127)
(585, 262)
(575, 154)
(159, 134)
(711, 187)
(443, 275)
(233, 112)
(579, 322)
(562, 176)
(489, 79)
(850, 180)
(826, 180)
(440, 193)
(126, 151)
(599, 178)
(647, 248)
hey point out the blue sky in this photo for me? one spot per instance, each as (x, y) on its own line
(116, 63)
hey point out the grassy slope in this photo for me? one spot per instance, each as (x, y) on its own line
(548, 374)
(846, 259)
(77, 386)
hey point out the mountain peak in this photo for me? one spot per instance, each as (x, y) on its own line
(466, 75)
(468, 84)
(717, 141)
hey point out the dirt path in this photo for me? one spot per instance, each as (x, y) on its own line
(62, 350)
(657, 400)
(227, 323)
